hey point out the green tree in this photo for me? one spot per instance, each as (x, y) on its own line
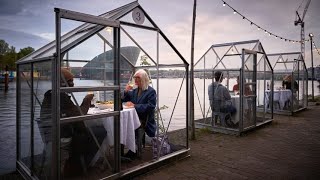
(4, 47)
(144, 60)
(24, 52)
(9, 56)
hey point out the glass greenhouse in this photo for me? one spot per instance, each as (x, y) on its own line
(63, 134)
(238, 103)
(290, 82)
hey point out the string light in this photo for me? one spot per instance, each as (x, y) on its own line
(259, 27)
(315, 47)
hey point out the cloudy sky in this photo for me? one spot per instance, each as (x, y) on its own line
(31, 22)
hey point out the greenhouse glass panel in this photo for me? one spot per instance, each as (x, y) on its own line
(42, 137)
(77, 99)
(238, 102)
(290, 83)
(24, 115)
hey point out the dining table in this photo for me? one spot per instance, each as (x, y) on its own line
(129, 122)
(235, 100)
(282, 96)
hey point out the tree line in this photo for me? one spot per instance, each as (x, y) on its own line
(9, 56)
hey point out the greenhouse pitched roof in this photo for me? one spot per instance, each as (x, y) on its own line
(46, 52)
(228, 55)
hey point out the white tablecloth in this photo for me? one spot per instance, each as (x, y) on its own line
(129, 122)
(236, 103)
(282, 96)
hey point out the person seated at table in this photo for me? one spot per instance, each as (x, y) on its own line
(236, 88)
(72, 134)
(287, 84)
(219, 96)
(144, 99)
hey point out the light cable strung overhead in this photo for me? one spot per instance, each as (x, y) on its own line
(315, 47)
(259, 27)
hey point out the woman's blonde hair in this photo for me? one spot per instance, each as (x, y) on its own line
(144, 78)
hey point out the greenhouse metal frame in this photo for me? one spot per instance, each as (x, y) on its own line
(290, 64)
(247, 61)
(41, 71)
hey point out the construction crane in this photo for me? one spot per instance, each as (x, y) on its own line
(300, 21)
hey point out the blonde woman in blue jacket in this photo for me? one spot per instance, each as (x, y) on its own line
(144, 100)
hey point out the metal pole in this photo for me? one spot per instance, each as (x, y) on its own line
(117, 98)
(191, 73)
(6, 79)
(56, 65)
(312, 71)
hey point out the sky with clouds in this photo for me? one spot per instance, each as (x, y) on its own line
(31, 22)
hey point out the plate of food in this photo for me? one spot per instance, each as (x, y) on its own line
(127, 105)
(105, 105)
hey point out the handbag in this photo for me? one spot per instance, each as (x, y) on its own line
(160, 145)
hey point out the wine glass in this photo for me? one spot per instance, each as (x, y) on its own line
(94, 99)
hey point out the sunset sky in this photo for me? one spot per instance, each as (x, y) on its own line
(31, 22)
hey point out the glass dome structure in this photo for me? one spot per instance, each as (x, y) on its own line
(102, 53)
(290, 82)
(238, 102)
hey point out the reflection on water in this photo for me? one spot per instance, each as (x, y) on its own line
(7, 128)
(169, 89)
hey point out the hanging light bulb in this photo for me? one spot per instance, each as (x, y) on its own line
(224, 3)
(234, 12)
(258, 28)
(109, 29)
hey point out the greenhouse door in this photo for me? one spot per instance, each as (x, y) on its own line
(248, 88)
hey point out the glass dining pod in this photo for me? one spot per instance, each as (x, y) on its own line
(238, 102)
(72, 119)
(290, 82)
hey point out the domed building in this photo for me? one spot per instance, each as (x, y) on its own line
(103, 63)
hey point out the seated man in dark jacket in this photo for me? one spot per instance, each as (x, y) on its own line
(73, 133)
(219, 96)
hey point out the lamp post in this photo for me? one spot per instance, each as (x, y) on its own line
(312, 71)
(191, 72)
